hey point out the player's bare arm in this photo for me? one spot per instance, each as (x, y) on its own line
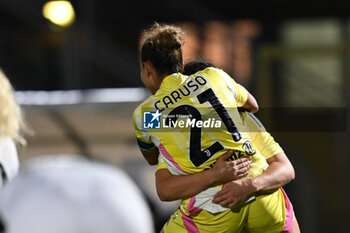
(251, 105)
(280, 172)
(171, 187)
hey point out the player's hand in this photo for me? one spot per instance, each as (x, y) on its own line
(225, 171)
(233, 193)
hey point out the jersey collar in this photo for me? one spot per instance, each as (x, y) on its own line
(170, 81)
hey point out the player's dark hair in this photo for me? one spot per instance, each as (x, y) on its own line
(162, 47)
(195, 66)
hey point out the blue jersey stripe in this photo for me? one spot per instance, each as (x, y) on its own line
(144, 145)
(256, 120)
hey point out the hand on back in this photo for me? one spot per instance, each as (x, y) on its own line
(226, 171)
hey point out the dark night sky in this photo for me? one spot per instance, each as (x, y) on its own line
(100, 49)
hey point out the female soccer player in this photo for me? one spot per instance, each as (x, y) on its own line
(279, 173)
(195, 100)
(11, 124)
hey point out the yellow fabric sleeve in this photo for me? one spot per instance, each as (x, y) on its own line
(239, 92)
(144, 140)
(242, 95)
(264, 142)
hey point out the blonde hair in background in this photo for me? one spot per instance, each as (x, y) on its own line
(11, 121)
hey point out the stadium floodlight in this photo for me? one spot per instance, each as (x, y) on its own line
(60, 13)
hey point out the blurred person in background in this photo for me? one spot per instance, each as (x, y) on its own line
(161, 67)
(11, 126)
(73, 194)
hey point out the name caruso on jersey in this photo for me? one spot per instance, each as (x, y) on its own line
(200, 117)
(185, 90)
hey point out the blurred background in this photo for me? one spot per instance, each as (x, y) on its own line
(76, 71)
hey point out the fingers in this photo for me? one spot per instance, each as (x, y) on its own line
(241, 175)
(242, 172)
(244, 166)
(232, 204)
(231, 170)
(241, 165)
(225, 200)
(227, 155)
(220, 196)
(242, 160)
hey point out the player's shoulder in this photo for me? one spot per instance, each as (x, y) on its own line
(215, 74)
(253, 123)
(213, 71)
(144, 104)
(147, 101)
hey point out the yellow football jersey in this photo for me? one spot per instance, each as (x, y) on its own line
(193, 120)
(259, 217)
(196, 121)
(262, 139)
